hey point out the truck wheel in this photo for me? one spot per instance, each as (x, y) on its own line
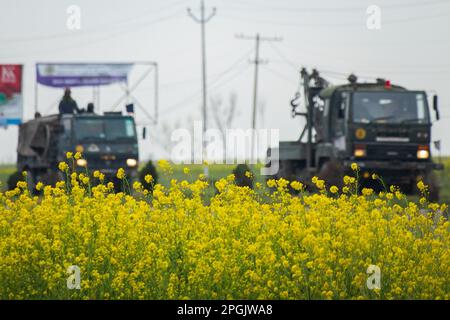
(291, 170)
(241, 179)
(13, 179)
(332, 172)
(51, 177)
(286, 170)
(433, 186)
(31, 180)
(17, 176)
(406, 188)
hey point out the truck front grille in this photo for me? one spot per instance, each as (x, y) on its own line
(397, 152)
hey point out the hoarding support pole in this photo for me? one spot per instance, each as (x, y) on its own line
(156, 92)
(98, 100)
(94, 95)
(36, 85)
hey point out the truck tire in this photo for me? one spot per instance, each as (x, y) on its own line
(15, 177)
(292, 170)
(407, 188)
(332, 172)
(51, 177)
(31, 180)
(433, 186)
(241, 179)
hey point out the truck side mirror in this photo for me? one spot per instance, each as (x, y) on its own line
(435, 106)
(130, 108)
(144, 132)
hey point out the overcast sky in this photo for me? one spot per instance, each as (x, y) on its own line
(412, 49)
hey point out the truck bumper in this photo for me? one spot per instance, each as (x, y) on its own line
(110, 173)
(395, 165)
(399, 173)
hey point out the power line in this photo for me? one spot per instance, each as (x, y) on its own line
(323, 54)
(258, 38)
(180, 82)
(188, 81)
(212, 84)
(239, 5)
(101, 39)
(182, 103)
(95, 29)
(280, 75)
(284, 58)
(296, 67)
(196, 96)
(237, 62)
(215, 76)
(327, 25)
(443, 69)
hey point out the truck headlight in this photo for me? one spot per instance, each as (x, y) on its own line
(81, 162)
(423, 154)
(360, 151)
(131, 162)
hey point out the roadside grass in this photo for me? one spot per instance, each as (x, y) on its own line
(444, 180)
(218, 171)
(5, 171)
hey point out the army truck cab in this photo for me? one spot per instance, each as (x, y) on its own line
(107, 142)
(384, 128)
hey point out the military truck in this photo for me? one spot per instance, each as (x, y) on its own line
(107, 142)
(384, 128)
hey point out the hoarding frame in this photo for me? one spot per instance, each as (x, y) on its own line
(127, 89)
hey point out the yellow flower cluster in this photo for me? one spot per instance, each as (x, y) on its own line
(120, 174)
(148, 178)
(242, 244)
(165, 166)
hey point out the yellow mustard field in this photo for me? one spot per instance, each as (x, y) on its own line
(241, 244)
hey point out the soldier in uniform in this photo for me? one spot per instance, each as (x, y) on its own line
(67, 104)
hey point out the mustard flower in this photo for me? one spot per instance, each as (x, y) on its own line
(120, 173)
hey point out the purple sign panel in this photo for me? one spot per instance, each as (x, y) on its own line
(61, 75)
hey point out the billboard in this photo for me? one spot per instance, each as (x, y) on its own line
(61, 75)
(11, 97)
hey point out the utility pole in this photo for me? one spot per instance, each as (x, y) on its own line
(257, 62)
(202, 21)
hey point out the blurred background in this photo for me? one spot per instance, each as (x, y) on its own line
(411, 49)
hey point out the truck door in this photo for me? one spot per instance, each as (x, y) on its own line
(66, 134)
(338, 111)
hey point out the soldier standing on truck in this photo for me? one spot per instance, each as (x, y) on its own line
(67, 104)
(90, 108)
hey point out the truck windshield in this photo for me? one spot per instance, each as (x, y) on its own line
(389, 107)
(104, 129)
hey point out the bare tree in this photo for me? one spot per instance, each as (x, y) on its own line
(162, 136)
(224, 115)
(261, 112)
